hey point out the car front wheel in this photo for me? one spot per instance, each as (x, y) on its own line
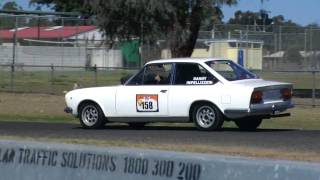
(248, 124)
(207, 117)
(91, 116)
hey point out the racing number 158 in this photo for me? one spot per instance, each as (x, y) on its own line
(147, 105)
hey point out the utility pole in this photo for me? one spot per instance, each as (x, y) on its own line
(305, 46)
(213, 32)
(13, 53)
(62, 40)
(313, 69)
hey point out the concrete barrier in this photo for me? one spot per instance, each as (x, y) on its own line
(25, 160)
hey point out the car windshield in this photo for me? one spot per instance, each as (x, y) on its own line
(230, 70)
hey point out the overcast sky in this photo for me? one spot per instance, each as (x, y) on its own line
(302, 12)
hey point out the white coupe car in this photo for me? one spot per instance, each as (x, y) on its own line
(206, 92)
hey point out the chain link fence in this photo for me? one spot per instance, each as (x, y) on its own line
(49, 54)
(285, 48)
(58, 79)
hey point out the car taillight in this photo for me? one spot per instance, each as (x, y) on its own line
(256, 97)
(286, 93)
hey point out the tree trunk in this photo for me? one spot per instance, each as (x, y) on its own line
(184, 36)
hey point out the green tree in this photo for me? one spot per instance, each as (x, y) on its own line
(178, 20)
(77, 6)
(11, 5)
(251, 18)
(215, 17)
(8, 22)
(64, 6)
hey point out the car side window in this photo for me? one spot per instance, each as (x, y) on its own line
(157, 74)
(192, 74)
(225, 70)
(137, 79)
(153, 74)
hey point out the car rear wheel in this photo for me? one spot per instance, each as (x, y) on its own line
(207, 117)
(248, 124)
(91, 116)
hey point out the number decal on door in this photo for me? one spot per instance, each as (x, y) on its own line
(147, 102)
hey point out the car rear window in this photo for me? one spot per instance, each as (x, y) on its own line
(230, 70)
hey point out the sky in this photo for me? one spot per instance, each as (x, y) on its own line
(302, 12)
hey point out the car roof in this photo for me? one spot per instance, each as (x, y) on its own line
(181, 60)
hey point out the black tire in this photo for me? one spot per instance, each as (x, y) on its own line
(91, 116)
(207, 117)
(137, 125)
(248, 124)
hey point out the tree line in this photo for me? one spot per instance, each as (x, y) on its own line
(178, 21)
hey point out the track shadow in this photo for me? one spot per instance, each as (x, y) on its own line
(257, 130)
(180, 128)
(145, 128)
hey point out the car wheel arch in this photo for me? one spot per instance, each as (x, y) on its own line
(197, 102)
(86, 101)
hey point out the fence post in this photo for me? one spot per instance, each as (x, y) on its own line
(95, 75)
(14, 44)
(280, 38)
(12, 77)
(51, 79)
(313, 88)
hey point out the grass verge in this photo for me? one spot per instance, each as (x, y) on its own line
(49, 109)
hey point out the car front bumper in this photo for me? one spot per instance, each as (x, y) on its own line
(68, 110)
(269, 110)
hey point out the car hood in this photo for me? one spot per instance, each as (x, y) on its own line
(255, 83)
(93, 90)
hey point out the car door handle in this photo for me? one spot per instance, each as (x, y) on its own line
(163, 91)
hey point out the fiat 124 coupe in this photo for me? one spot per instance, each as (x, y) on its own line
(206, 92)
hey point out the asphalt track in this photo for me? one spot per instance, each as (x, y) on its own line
(298, 140)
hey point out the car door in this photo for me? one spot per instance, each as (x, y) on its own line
(146, 94)
(191, 83)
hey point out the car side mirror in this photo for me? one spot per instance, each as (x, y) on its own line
(124, 79)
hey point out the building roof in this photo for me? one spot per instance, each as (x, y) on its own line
(54, 32)
(209, 41)
(278, 54)
(95, 35)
